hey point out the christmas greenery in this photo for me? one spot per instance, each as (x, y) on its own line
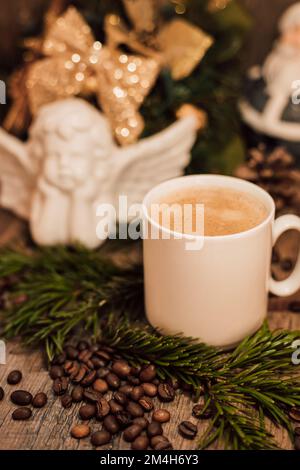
(49, 295)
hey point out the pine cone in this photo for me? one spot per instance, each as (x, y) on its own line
(276, 173)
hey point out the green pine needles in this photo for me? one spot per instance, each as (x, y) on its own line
(51, 294)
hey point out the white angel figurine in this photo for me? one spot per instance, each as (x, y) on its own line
(70, 164)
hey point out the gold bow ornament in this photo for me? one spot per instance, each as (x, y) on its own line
(72, 62)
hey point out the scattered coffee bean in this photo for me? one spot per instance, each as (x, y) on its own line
(97, 362)
(294, 414)
(113, 380)
(21, 414)
(140, 443)
(163, 444)
(89, 379)
(111, 424)
(131, 433)
(39, 400)
(294, 306)
(71, 352)
(154, 429)
(121, 369)
(103, 408)
(121, 398)
(158, 439)
(286, 264)
(100, 438)
(82, 345)
(187, 430)
(87, 411)
(141, 421)
(124, 418)
(104, 355)
(166, 392)
(135, 409)
(56, 372)
(146, 403)
(21, 397)
(85, 355)
(1, 393)
(92, 395)
(79, 376)
(102, 373)
(161, 415)
(126, 389)
(200, 413)
(66, 401)
(77, 393)
(136, 393)
(148, 374)
(297, 443)
(132, 380)
(60, 385)
(94, 348)
(71, 367)
(100, 385)
(14, 377)
(115, 406)
(79, 431)
(149, 389)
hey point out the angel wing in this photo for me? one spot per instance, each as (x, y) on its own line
(140, 167)
(16, 175)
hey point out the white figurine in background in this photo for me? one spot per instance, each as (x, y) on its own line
(70, 164)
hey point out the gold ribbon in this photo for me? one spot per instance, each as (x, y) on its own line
(74, 63)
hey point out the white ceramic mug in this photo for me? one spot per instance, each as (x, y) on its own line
(218, 293)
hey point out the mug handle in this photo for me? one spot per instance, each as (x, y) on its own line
(290, 285)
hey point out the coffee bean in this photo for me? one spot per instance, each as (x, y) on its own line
(115, 406)
(131, 433)
(104, 355)
(113, 380)
(71, 367)
(142, 421)
(297, 443)
(199, 412)
(92, 395)
(60, 385)
(21, 397)
(294, 306)
(1, 393)
(97, 362)
(187, 430)
(158, 439)
(135, 370)
(163, 445)
(21, 414)
(161, 415)
(146, 403)
(121, 398)
(79, 376)
(79, 431)
(140, 443)
(66, 401)
(166, 392)
(99, 438)
(111, 424)
(149, 389)
(82, 345)
(297, 431)
(121, 369)
(136, 393)
(102, 373)
(286, 264)
(135, 409)
(126, 389)
(294, 414)
(56, 371)
(154, 429)
(71, 352)
(89, 378)
(39, 400)
(100, 385)
(85, 355)
(102, 407)
(87, 411)
(148, 374)
(132, 380)
(59, 359)
(124, 418)
(77, 393)
(14, 377)
(94, 348)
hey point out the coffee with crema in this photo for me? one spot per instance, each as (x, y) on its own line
(226, 211)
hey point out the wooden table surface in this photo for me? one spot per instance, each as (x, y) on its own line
(49, 428)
